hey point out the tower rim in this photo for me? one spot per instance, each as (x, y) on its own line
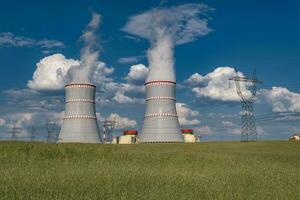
(160, 82)
(79, 85)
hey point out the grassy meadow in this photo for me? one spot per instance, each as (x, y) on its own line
(210, 170)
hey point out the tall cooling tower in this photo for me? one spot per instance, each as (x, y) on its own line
(80, 122)
(160, 121)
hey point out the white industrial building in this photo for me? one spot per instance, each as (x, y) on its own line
(128, 137)
(295, 137)
(189, 137)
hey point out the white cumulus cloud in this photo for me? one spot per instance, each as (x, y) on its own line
(215, 85)
(186, 116)
(23, 120)
(282, 100)
(122, 122)
(101, 74)
(51, 72)
(120, 97)
(2, 122)
(195, 80)
(137, 73)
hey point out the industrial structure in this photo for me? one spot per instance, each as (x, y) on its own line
(160, 121)
(189, 137)
(128, 137)
(51, 132)
(108, 128)
(249, 132)
(80, 121)
(33, 133)
(14, 132)
(132, 137)
(294, 137)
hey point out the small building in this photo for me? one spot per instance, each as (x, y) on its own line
(115, 140)
(128, 137)
(294, 137)
(188, 136)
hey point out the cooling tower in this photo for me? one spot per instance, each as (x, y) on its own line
(80, 122)
(160, 120)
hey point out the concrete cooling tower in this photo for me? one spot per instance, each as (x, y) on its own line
(160, 120)
(80, 122)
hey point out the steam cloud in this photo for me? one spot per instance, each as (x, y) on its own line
(89, 53)
(165, 28)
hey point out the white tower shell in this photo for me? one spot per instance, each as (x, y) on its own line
(161, 121)
(80, 121)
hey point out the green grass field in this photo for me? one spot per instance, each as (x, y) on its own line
(211, 170)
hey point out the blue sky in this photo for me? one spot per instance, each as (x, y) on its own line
(246, 34)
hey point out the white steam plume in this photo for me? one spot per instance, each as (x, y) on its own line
(165, 28)
(89, 53)
(161, 61)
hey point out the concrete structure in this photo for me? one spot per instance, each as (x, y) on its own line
(188, 136)
(114, 140)
(80, 122)
(295, 137)
(160, 120)
(129, 137)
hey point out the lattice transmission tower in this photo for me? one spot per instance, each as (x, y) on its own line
(51, 132)
(33, 133)
(108, 128)
(249, 131)
(14, 132)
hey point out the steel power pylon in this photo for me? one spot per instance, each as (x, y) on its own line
(33, 133)
(108, 128)
(249, 132)
(14, 132)
(51, 127)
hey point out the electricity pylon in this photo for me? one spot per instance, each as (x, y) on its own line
(108, 128)
(33, 133)
(14, 132)
(249, 132)
(51, 127)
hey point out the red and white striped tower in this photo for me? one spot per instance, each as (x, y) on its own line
(80, 121)
(160, 121)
